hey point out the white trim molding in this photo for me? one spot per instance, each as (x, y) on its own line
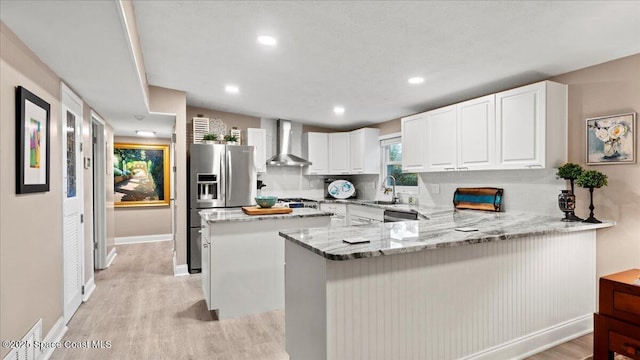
(112, 255)
(54, 335)
(532, 344)
(89, 287)
(142, 239)
(179, 270)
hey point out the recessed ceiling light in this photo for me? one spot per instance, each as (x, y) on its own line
(232, 89)
(416, 80)
(267, 40)
(145, 133)
(139, 117)
(338, 110)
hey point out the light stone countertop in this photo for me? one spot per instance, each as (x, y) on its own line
(437, 232)
(425, 212)
(226, 215)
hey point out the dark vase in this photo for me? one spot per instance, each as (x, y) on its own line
(591, 218)
(567, 203)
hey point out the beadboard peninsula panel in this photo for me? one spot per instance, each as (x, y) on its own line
(505, 298)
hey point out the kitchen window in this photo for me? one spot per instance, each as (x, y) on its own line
(392, 165)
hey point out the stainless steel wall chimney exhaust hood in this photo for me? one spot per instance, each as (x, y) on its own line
(285, 157)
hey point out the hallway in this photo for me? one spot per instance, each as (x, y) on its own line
(147, 313)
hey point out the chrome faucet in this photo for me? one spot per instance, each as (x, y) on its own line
(394, 198)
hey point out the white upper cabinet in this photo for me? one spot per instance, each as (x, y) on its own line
(476, 134)
(315, 148)
(258, 138)
(531, 126)
(339, 156)
(413, 128)
(441, 131)
(364, 149)
(520, 128)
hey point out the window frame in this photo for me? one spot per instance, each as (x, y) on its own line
(385, 142)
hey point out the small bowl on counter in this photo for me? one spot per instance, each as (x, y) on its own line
(266, 202)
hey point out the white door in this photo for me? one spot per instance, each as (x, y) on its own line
(72, 201)
(477, 133)
(413, 143)
(441, 131)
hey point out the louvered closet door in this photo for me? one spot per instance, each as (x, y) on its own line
(72, 201)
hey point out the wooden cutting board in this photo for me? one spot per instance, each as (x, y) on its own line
(255, 210)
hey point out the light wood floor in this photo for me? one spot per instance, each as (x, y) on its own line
(147, 313)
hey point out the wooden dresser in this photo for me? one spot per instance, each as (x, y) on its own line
(617, 325)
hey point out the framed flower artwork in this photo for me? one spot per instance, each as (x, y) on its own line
(611, 139)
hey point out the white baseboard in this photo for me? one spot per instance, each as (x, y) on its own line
(89, 287)
(179, 270)
(54, 335)
(142, 239)
(539, 341)
(112, 255)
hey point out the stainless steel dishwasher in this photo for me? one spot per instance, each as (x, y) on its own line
(397, 215)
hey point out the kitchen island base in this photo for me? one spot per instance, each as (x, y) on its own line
(494, 300)
(243, 259)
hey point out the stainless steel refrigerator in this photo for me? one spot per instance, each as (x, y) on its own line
(220, 176)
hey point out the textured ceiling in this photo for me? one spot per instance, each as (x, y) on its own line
(357, 54)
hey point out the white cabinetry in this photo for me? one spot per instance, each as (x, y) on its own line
(315, 148)
(476, 134)
(206, 270)
(364, 145)
(339, 217)
(520, 128)
(440, 139)
(258, 138)
(364, 215)
(339, 153)
(531, 124)
(413, 143)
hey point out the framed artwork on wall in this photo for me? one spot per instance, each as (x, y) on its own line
(611, 139)
(32, 142)
(140, 175)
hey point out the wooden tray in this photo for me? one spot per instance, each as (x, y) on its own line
(255, 210)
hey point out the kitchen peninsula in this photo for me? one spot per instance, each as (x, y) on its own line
(514, 284)
(243, 258)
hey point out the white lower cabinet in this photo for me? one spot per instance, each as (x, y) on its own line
(360, 215)
(206, 270)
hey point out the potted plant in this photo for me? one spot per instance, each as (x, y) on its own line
(209, 138)
(569, 171)
(591, 179)
(567, 198)
(231, 139)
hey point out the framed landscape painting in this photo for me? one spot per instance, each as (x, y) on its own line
(32, 142)
(611, 139)
(140, 175)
